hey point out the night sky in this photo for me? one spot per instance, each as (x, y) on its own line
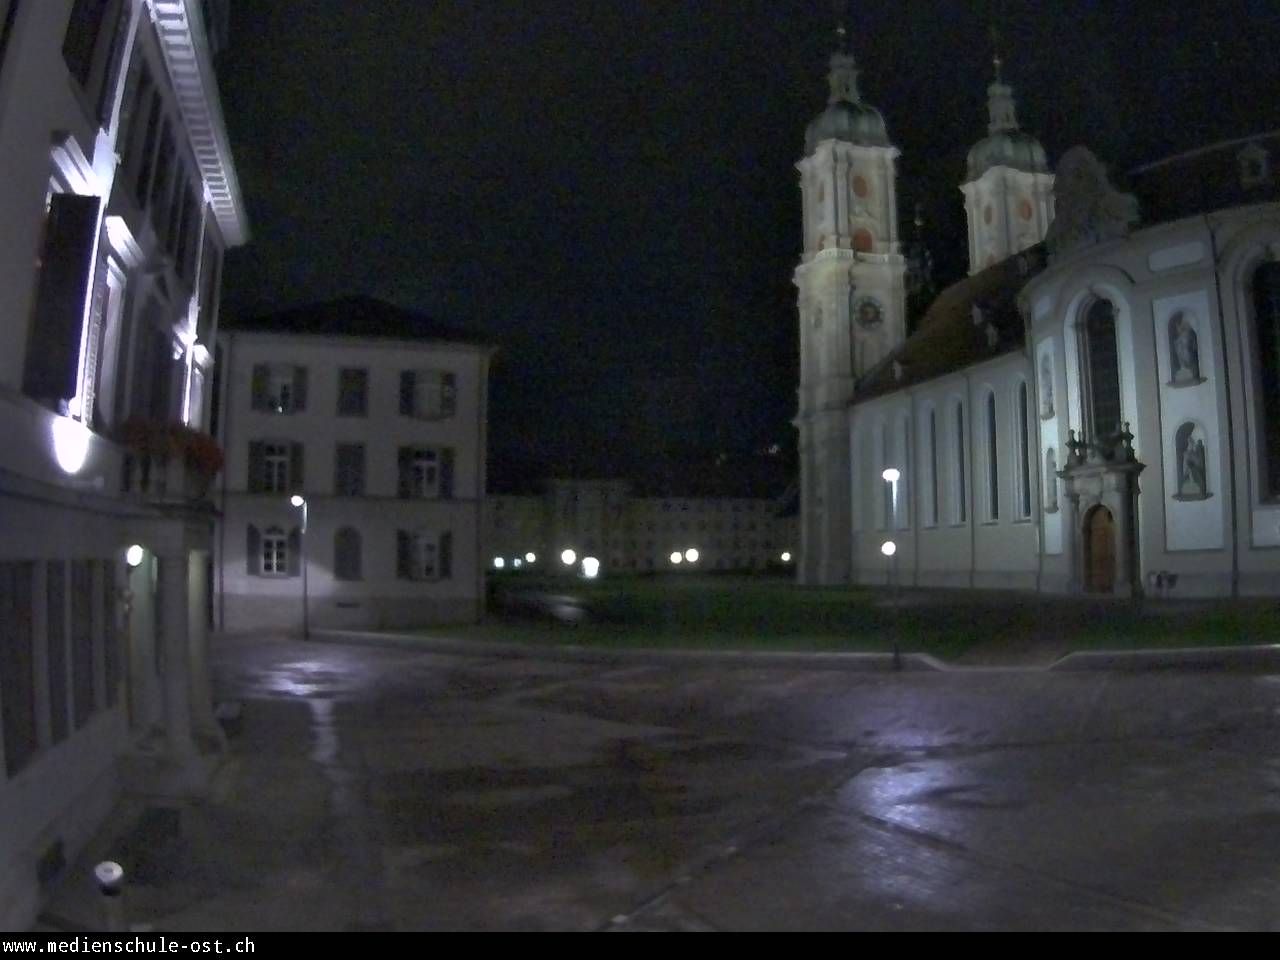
(607, 189)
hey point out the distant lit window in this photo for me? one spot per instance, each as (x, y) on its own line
(279, 388)
(275, 552)
(428, 394)
(275, 467)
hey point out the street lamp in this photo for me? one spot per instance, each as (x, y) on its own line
(297, 500)
(691, 555)
(890, 551)
(677, 557)
(530, 558)
(590, 567)
(568, 558)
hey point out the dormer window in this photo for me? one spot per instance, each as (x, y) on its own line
(1255, 166)
(279, 388)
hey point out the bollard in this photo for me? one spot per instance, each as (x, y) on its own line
(109, 877)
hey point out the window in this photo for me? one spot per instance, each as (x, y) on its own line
(1102, 371)
(275, 466)
(961, 487)
(933, 468)
(56, 638)
(428, 394)
(52, 368)
(346, 554)
(422, 555)
(993, 461)
(353, 388)
(273, 552)
(1266, 303)
(83, 699)
(425, 473)
(85, 27)
(348, 478)
(1024, 455)
(279, 388)
(17, 666)
(1255, 166)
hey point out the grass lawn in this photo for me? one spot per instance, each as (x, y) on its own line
(771, 613)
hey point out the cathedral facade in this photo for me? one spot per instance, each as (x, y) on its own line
(1094, 409)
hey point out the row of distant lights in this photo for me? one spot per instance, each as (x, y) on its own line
(591, 565)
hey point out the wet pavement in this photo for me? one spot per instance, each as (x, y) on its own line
(391, 789)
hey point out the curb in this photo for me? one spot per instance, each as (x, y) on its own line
(1258, 656)
(859, 662)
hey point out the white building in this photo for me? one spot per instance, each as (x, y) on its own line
(1092, 410)
(118, 198)
(631, 533)
(376, 416)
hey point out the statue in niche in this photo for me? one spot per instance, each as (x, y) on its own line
(1051, 481)
(1088, 209)
(1046, 387)
(817, 316)
(1191, 460)
(1184, 350)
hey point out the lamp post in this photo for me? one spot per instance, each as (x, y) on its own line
(890, 551)
(300, 501)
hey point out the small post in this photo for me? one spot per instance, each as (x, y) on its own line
(109, 877)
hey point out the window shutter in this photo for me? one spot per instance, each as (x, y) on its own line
(406, 393)
(261, 376)
(402, 555)
(253, 552)
(445, 561)
(295, 552)
(405, 488)
(448, 394)
(53, 351)
(446, 473)
(295, 467)
(299, 388)
(357, 471)
(256, 467)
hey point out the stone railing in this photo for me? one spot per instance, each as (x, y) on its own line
(168, 462)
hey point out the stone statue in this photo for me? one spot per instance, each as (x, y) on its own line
(1191, 481)
(1051, 480)
(1046, 387)
(1184, 350)
(1087, 209)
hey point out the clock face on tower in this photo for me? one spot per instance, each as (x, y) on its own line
(869, 313)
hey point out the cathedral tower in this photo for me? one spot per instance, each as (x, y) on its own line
(852, 302)
(1009, 191)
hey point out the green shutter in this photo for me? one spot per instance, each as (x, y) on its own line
(295, 467)
(299, 388)
(253, 552)
(402, 554)
(295, 552)
(257, 466)
(446, 473)
(406, 393)
(261, 377)
(446, 555)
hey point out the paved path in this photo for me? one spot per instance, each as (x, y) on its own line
(394, 789)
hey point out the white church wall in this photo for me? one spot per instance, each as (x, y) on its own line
(1191, 425)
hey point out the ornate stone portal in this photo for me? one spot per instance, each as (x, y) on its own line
(1100, 483)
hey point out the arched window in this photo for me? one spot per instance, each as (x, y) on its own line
(1266, 302)
(905, 465)
(347, 558)
(1102, 371)
(993, 461)
(961, 486)
(933, 468)
(1024, 455)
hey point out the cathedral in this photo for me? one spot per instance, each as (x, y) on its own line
(1095, 408)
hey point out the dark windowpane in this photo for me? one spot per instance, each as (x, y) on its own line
(114, 52)
(112, 653)
(66, 264)
(1024, 455)
(1103, 369)
(56, 634)
(346, 554)
(87, 17)
(933, 465)
(82, 641)
(1266, 296)
(353, 386)
(17, 666)
(349, 479)
(993, 460)
(962, 492)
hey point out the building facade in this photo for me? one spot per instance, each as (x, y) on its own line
(1092, 410)
(376, 417)
(119, 197)
(635, 534)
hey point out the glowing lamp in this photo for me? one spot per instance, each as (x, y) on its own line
(568, 558)
(590, 567)
(70, 444)
(888, 548)
(133, 556)
(691, 555)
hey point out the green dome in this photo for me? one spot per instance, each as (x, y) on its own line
(1008, 148)
(849, 122)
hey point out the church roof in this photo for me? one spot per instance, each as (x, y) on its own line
(970, 321)
(356, 317)
(1008, 148)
